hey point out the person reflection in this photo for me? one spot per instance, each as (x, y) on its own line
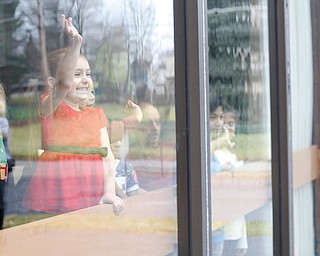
(137, 139)
(151, 122)
(77, 168)
(231, 239)
(126, 177)
(235, 233)
(151, 125)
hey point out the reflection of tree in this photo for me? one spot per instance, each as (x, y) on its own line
(236, 66)
(32, 22)
(126, 42)
(141, 23)
(11, 66)
(111, 64)
(42, 40)
(110, 48)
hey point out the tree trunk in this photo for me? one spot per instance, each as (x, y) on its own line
(43, 50)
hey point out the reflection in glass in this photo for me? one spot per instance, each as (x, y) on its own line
(129, 46)
(239, 127)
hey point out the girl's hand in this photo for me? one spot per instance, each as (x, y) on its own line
(118, 205)
(116, 201)
(226, 138)
(69, 29)
(134, 109)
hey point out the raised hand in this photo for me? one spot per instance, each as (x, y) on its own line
(134, 109)
(222, 141)
(69, 29)
(226, 137)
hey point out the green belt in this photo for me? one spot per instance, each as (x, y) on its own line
(78, 150)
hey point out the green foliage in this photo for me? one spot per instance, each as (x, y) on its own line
(229, 42)
(14, 66)
(113, 111)
(19, 219)
(111, 68)
(26, 137)
(259, 228)
(252, 147)
(23, 110)
(25, 140)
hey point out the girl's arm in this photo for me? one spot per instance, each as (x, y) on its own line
(109, 195)
(63, 80)
(116, 129)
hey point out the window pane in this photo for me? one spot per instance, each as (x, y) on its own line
(59, 130)
(240, 127)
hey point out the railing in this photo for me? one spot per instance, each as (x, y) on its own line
(148, 225)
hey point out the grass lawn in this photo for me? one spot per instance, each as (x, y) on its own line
(252, 147)
(25, 137)
(26, 140)
(19, 219)
(254, 228)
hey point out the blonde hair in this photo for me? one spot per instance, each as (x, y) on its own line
(3, 103)
(54, 59)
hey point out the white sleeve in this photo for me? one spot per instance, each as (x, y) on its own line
(243, 241)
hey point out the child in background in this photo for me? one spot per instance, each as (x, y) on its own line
(230, 239)
(235, 233)
(216, 141)
(225, 160)
(77, 168)
(126, 177)
(220, 138)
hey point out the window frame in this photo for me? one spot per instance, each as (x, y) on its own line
(192, 115)
(193, 183)
(282, 188)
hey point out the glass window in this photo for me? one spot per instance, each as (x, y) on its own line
(240, 144)
(94, 132)
(303, 68)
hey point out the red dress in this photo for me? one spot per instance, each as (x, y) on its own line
(65, 182)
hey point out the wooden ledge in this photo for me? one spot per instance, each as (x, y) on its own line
(147, 225)
(305, 164)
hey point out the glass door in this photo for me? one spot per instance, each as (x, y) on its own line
(240, 134)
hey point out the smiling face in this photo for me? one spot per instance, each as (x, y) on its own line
(82, 82)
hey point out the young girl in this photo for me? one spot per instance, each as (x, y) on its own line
(77, 168)
(230, 239)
